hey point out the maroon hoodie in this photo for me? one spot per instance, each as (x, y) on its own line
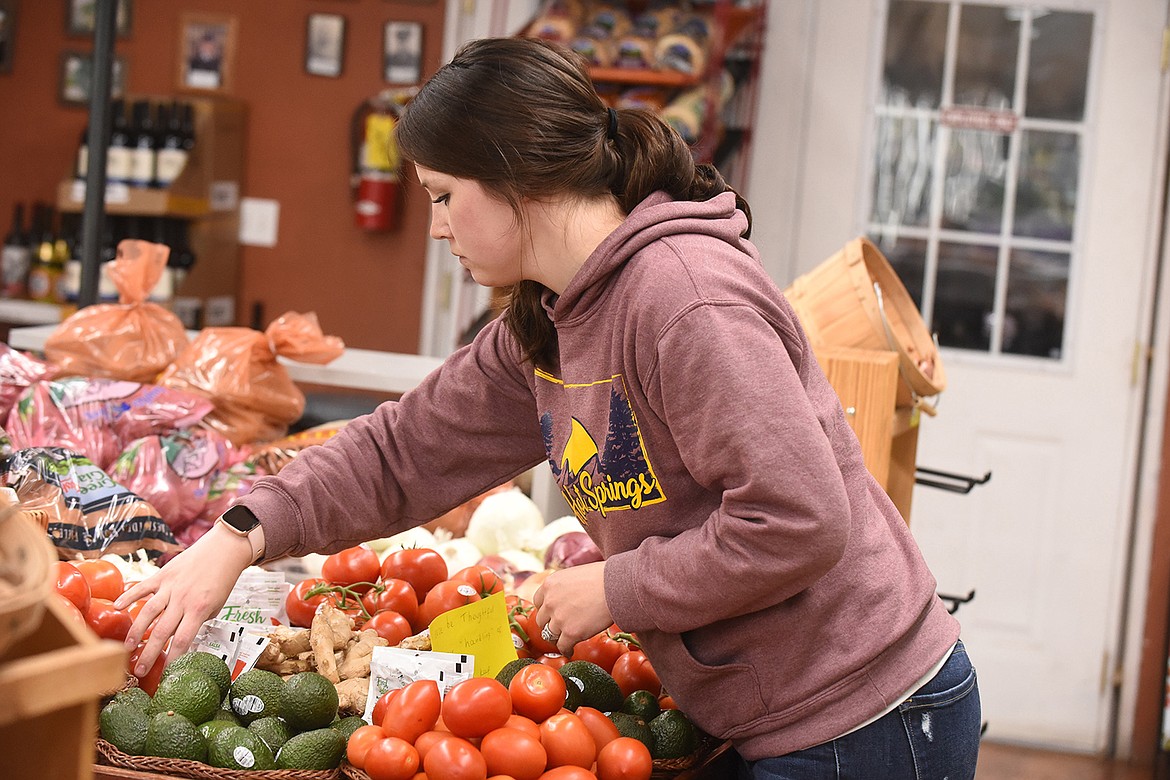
(771, 581)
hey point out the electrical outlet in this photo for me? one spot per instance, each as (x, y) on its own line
(259, 221)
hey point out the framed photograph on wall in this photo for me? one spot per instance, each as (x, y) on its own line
(80, 15)
(207, 49)
(402, 53)
(325, 44)
(76, 80)
(7, 33)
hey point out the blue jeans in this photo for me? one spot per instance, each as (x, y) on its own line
(931, 736)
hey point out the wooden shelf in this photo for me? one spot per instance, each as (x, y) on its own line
(134, 201)
(635, 77)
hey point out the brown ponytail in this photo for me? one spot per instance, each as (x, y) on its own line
(521, 117)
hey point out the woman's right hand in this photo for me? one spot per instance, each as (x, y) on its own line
(188, 590)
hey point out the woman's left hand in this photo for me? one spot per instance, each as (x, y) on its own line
(570, 604)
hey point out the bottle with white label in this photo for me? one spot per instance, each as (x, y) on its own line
(142, 146)
(118, 163)
(172, 151)
(17, 257)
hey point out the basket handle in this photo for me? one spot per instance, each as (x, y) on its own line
(919, 401)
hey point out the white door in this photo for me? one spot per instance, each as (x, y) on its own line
(1007, 157)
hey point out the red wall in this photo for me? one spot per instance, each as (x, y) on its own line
(366, 288)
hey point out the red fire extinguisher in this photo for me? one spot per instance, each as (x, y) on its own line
(376, 167)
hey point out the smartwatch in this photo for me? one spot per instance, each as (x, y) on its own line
(240, 521)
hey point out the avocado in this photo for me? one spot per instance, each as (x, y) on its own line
(123, 724)
(237, 748)
(310, 701)
(257, 693)
(673, 734)
(318, 749)
(598, 688)
(211, 665)
(191, 694)
(170, 735)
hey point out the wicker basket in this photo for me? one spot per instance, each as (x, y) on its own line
(855, 299)
(26, 561)
(177, 767)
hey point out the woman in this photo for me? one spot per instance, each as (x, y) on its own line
(647, 357)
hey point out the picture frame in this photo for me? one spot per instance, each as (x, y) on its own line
(80, 15)
(76, 78)
(402, 52)
(206, 52)
(7, 34)
(325, 44)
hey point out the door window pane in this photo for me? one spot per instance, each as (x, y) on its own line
(1037, 290)
(975, 178)
(985, 62)
(1046, 188)
(964, 295)
(1058, 68)
(916, 39)
(907, 257)
(902, 172)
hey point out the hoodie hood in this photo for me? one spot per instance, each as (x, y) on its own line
(657, 217)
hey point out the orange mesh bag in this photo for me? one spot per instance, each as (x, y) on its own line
(255, 399)
(133, 339)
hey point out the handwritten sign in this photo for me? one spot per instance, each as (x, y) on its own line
(479, 629)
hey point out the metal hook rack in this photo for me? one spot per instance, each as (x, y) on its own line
(946, 480)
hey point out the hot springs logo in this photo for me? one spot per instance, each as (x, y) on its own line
(613, 476)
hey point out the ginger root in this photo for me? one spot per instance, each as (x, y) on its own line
(330, 631)
(356, 659)
(351, 695)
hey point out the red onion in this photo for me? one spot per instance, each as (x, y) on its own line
(571, 549)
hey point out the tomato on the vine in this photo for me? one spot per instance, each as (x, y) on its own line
(483, 578)
(300, 606)
(633, 672)
(422, 567)
(390, 625)
(71, 584)
(414, 711)
(602, 649)
(108, 621)
(391, 759)
(104, 578)
(476, 706)
(537, 691)
(516, 754)
(396, 595)
(351, 566)
(360, 742)
(625, 758)
(567, 741)
(454, 758)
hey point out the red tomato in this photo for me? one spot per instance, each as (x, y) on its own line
(149, 681)
(476, 706)
(427, 740)
(601, 728)
(567, 741)
(108, 621)
(104, 578)
(391, 759)
(71, 610)
(413, 711)
(396, 595)
(301, 608)
(360, 742)
(454, 758)
(482, 578)
(538, 691)
(422, 567)
(514, 753)
(445, 596)
(555, 660)
(602, 649)
(521, 723)
(633, 672)
(666, 702)
(379, 711)
(352, 566)
(390, 625)
(625, 758)
(568, 773)
(536, 643)
(71, 584)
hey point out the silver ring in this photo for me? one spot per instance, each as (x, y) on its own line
(547, 635)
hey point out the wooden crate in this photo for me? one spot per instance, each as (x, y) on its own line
(51, 682)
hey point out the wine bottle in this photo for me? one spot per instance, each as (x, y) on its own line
(142, 147)
(63, 247)
(172, 152)
(44, 273)
(118, 161)
(16, 258)
(81, 170)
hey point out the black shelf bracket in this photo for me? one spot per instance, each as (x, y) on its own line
(945, 480)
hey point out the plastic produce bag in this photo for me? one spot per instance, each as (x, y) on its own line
(88, 514)
(255, 399)
(19, 370)
(133, 339)
(174, 471)
(99, 417)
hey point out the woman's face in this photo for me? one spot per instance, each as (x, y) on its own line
(481, 230)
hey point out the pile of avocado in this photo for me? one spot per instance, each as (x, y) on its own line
(259, 721)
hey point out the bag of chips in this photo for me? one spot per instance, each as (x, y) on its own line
(18, 370)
